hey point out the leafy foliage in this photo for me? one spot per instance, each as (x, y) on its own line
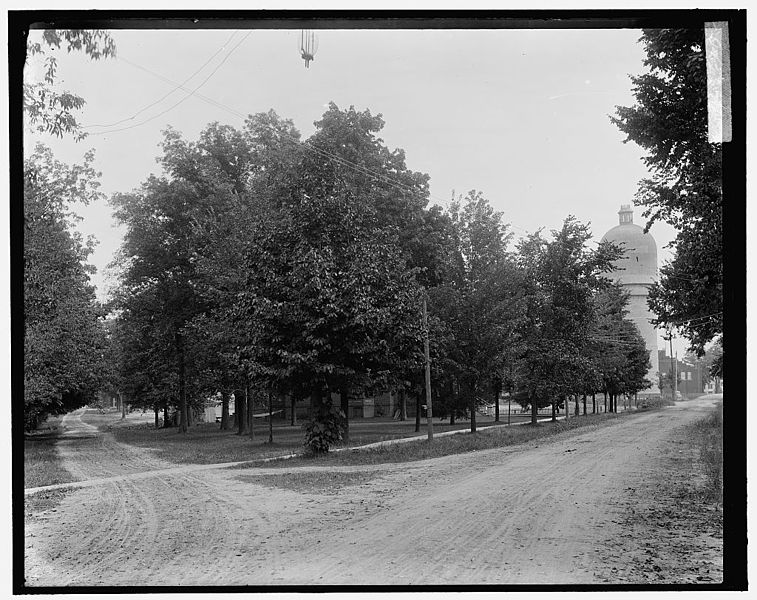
(475, 310)
(669, 121)
(299, 268)
(560, 277)
(157, 294)
(325, 429)
(64, 337)
(48, 109)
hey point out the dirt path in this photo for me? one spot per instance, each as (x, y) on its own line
(529, 515)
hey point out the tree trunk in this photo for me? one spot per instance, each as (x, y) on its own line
(241, 412)
(472, 410)
(250, 406)
(594, 403)
(534, 409)
(294, 410)
(403, 404)
(166, 422)
(157, 415)
(182, 384)
(123, 405)
(418, 412)
(224, 410)
(453, 394)
(554, 408)
(578, 410)
(344, 400)
(605, 393)
(270, 417)
(584, 399)
(497, 390)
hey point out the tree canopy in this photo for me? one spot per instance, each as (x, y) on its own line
(299, 267)
(47, 108)
(64, 337)
(669, 121)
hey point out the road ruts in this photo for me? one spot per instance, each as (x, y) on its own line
(530, 514)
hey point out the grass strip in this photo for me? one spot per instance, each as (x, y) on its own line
(707, 438)
(494, 437)
(42, 463)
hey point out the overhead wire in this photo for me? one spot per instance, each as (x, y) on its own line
(325, 153)
(176, 87)
(189, 95)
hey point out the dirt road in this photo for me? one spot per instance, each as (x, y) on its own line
(533, 514)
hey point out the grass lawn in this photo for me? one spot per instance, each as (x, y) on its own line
(206, 443)
(707, 436)
(442, 446)
(42, 465)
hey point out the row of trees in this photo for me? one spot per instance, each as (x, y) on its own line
(65, 339)
(261, 262)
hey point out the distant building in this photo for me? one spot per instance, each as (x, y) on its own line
(690, 375)
(636, 272)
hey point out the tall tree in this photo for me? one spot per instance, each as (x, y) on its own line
(157, 269)
(477, 308)
(64, 336)
(559, 279)
(669, 121)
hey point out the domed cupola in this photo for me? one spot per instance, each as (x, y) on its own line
(639, 266)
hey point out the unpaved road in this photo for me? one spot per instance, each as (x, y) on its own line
(532, 514)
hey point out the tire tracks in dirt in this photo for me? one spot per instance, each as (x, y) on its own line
(529, 514)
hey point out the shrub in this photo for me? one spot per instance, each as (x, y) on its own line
(325, 429)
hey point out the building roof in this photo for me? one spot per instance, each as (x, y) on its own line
(640, 262)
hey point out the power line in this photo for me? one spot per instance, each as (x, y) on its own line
(711, 317)
(325, 153)
(191, 93)
(175, 88)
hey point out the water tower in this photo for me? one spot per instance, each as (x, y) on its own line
(636, 271)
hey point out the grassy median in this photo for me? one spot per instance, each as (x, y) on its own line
(494, 437)
(206, 443)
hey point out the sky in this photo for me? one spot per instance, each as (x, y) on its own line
(520, 115)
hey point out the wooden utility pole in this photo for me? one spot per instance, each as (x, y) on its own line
(675, 380)
(427, 353)
(673, 368)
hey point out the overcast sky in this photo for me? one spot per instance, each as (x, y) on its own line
(521, 115)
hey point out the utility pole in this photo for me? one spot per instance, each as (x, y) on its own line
(675, 380)
(427, 353)
(673, 368)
